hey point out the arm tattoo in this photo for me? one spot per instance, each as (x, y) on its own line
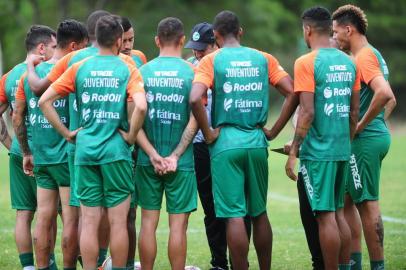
(298, 139)
(21, 133)
(186, 139)
(3, 130)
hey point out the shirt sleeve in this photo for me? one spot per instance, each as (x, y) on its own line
(368, 64)
(65, 84)
(205, 71)
(60, 67)
(3, 96)
(127, 59)
(141, 55)
(304, 74)
(357, 82)
(20, 94)
(275, 70)
(135, 82)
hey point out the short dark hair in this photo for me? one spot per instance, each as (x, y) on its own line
(92, 20)
(38, 34)
(226, 23)
(319, 18)
(350, 14)
(170, 31)
(125, 23)
(108, 30)
(70, 31)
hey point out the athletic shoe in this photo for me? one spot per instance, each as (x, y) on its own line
(137, 266)
(107, 264)
(191, 267)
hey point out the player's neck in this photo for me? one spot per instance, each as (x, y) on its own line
(94, 43)
(108, 51)
(320, 42)
(170, 51)
(58, 54)
(358, 43)
(231, 42)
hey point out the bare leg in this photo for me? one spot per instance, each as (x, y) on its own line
(177, 240)
(237, 241)
(147, 238)
(118, 233)
(70, 244)
(262, 235)
(23, 231)
(89, 242)
(329, 239)
(373, 228)
(345, 237)
(47, 200)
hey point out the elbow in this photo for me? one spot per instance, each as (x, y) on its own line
(194, 100)
(308, 114)
(141, 107)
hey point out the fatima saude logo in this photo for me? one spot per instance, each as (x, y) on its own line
(85, 114)
(151, 113)
(33, 103)
(328, 108)
(85, 97)
(33, 119)
(227, 87)
(75, 105)
(227, 104)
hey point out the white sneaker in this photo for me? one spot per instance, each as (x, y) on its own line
(107, 264)
(137, 266)
(191, 267)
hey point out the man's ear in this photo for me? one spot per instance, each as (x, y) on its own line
(157, 42)
(41, 48)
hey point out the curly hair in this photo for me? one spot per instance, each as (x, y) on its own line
(350, 14)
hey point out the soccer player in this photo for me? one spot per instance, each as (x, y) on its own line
(167, 132)
(240, 78)
(102, 158)
(128, 43)
(372, 139)
(328, 85)
(41, 84)
(48, 156)
(202, 42)
(40, 39)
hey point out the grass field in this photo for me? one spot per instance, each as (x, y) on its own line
(289, 247)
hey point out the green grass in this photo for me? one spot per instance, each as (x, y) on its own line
(289, 247)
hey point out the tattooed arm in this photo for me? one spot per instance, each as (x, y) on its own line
(4, 136)
(187, 137)
(304, 122)
(19, 126)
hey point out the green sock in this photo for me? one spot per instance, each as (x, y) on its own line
(344, 267)
(130, 265)
(46, 268)
(356, 261)
(52, 262)
(69, 268)
(26, 259)
(118, 268)
(378, 265)
(102, 256)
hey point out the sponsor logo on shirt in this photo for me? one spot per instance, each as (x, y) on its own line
(33, 119)
(33, 103)
(151, 113)
(75, 105)
(253, 86)
(328, 108)
(159, 97)
(328, 92)
(86, 114)
(227, 104)
(95, 97)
